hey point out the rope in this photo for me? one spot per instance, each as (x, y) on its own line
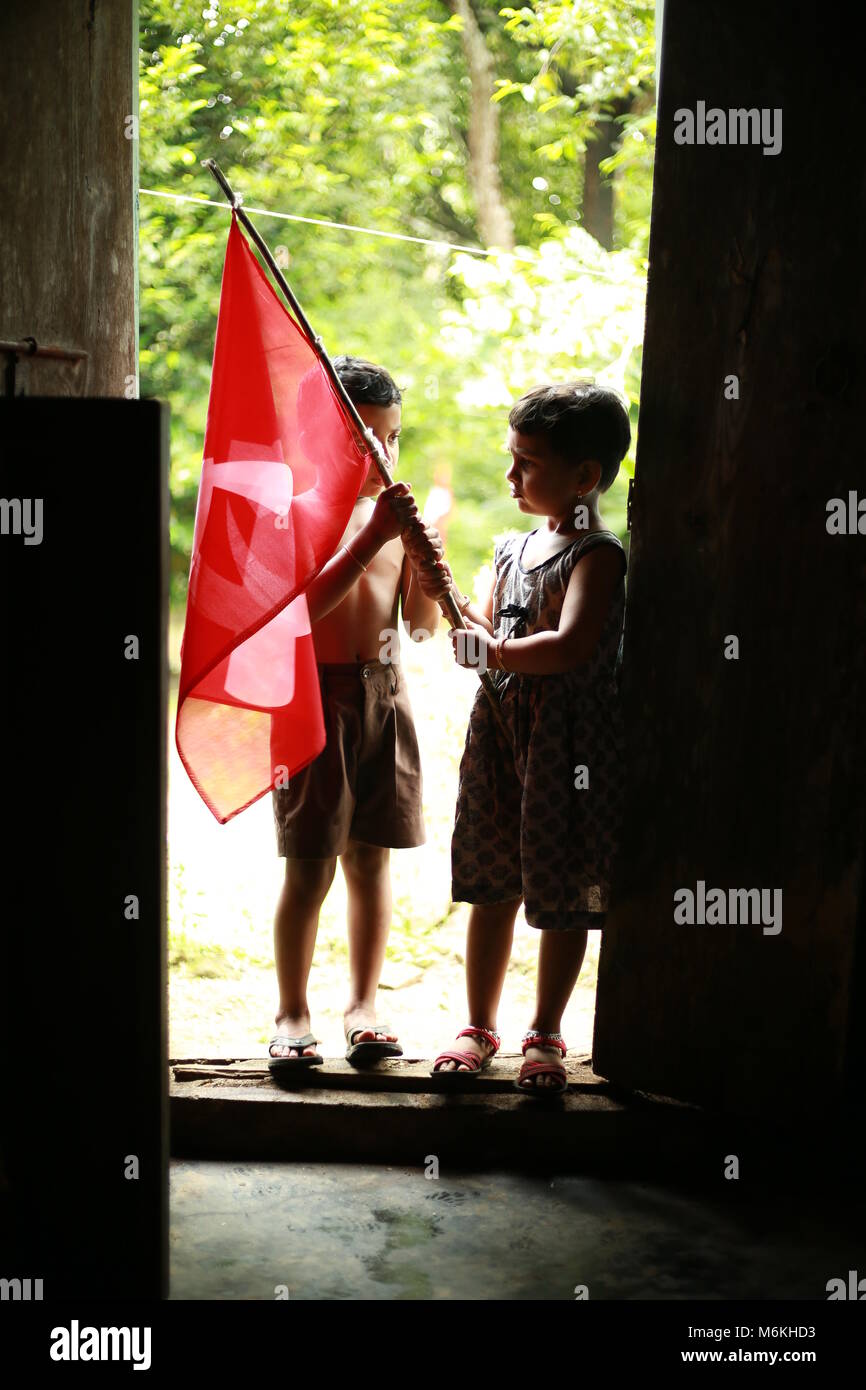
(364, 231)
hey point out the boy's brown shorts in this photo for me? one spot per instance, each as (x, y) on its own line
(366, 783)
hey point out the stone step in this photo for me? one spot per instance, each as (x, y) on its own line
(396, 1112)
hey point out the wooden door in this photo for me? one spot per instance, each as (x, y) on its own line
(83, 714)
(747, 773)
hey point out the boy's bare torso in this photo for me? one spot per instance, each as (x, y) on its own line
(352, 631)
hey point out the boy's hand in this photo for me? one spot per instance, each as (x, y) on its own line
(423, 545)
(395, 509)
(435, 581)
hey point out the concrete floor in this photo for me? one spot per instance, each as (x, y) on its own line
(351, 1231)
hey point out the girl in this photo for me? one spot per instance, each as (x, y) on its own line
(539, 796)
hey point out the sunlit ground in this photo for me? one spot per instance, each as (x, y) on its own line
(223, 886)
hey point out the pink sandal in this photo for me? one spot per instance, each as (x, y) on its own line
(468, 1059)
(554, 1069)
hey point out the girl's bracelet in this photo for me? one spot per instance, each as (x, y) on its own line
(501, 652)
(496, 648)
(464, 602)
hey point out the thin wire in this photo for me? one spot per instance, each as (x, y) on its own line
(366, 231)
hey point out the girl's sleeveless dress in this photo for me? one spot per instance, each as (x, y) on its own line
(538, 813)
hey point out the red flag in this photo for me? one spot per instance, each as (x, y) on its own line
(282, 469)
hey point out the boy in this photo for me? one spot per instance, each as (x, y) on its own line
(362, 795)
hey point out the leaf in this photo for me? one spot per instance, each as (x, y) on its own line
(506, 88)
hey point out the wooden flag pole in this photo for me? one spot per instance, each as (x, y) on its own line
(448, 602)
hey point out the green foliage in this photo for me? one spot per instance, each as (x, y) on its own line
(565, 67)
(520, 323)
(358, 113)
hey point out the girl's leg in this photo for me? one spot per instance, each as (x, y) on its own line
(488, 951)
(305, 888)
(560, 956)
(367, 871)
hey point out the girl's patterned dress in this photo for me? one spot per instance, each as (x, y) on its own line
(538, 817)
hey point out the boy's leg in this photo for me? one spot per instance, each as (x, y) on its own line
(488, 951)
(560, 956)
(367, 871)
(296, 920)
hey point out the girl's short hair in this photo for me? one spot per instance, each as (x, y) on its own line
(365, 383)
(581, 420)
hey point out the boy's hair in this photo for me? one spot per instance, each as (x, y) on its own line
(581, 420)
(365, 383)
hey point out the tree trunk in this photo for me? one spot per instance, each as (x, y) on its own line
(597, 210)
(494, 220)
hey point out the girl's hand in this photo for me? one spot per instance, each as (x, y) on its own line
(471, 646)
(395, 509)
